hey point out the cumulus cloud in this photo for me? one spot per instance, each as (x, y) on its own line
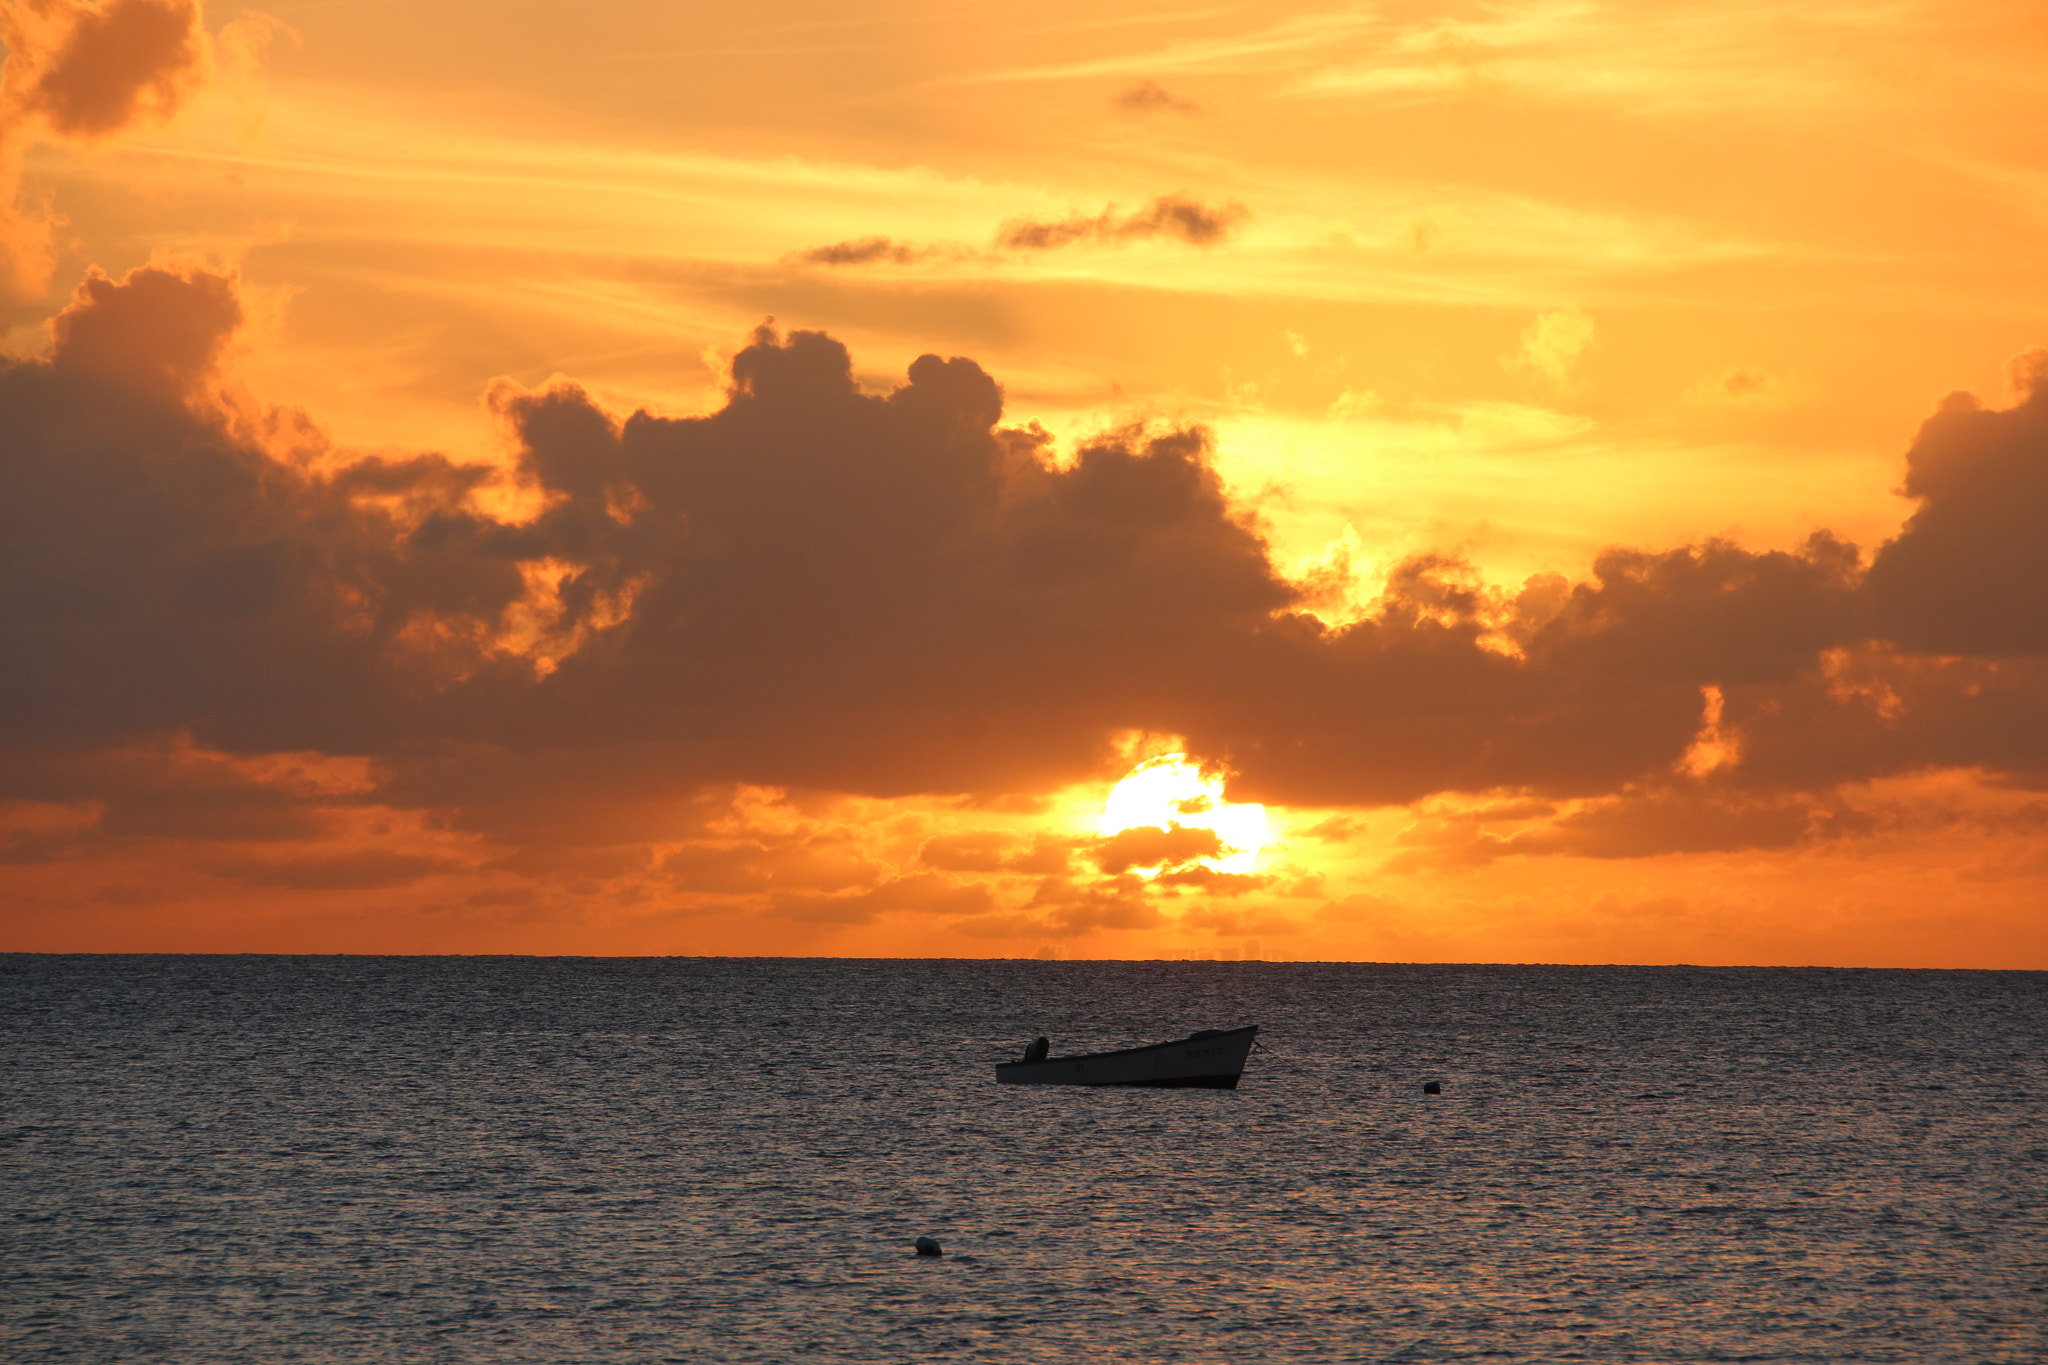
(164, 571)
(1174, 216)
(91, 69)
(158, 332)
(1966, 574)
(82, 71)
(816, 588)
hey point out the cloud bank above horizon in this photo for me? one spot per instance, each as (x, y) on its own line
(838, 594)
(1505, 446)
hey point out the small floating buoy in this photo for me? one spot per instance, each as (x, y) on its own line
(927, 1246)
(1432, 1088)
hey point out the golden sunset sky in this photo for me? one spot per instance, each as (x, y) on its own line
(634, 478)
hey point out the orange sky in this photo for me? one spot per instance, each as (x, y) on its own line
(1488, 436)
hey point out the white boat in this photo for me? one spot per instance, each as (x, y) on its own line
(1209, 1058)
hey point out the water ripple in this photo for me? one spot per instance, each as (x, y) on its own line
(562, 1160)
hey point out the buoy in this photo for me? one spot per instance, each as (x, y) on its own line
(927, 1246)
(1432, 1088)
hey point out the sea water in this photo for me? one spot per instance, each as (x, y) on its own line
(360, 1159)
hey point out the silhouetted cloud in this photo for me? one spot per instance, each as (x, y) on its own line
(1175, 846)
(82, 71)
(1636, 824)
(90, 69)
(1170, 215)
(164, 570)
(1148, 97)
(817, 588)
(1966, 575)
(862, 251)
(159, 332)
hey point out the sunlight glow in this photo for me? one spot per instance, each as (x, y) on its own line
(1170, 790)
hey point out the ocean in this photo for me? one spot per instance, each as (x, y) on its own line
(365, 1159)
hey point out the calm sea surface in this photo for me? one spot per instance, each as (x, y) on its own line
(259, 1159)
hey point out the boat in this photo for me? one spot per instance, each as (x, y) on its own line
(1208, 1059)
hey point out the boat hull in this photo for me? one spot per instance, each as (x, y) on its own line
(1211, 1063)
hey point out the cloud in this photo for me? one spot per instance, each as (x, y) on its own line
(79, 71)
(165, 572)
(1634, 824)
(1966, 574)
(1553, 343)
(1175, 216)
(863, 251)
(819, 589)
(1149, 97)
(996, 851)
(163, 789)
(158, 332)
(333, 872)
(1741, 386)
(88, 70)
(1142, 846)
(921, 893)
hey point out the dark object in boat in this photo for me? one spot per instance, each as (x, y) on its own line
(1038, 1048)
(1209, 1059)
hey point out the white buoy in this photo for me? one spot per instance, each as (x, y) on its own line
(927, 1246)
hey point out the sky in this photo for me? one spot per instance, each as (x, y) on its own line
(1511, 482)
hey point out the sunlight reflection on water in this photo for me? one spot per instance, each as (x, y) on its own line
(518, 1159)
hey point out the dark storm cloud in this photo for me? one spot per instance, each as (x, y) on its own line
(821, 588)
(1172, 215)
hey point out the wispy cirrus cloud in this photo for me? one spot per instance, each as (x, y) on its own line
(1172, 216)
(1261, 48)
(863, 251)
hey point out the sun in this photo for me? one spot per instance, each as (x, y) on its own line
(1170, 790)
